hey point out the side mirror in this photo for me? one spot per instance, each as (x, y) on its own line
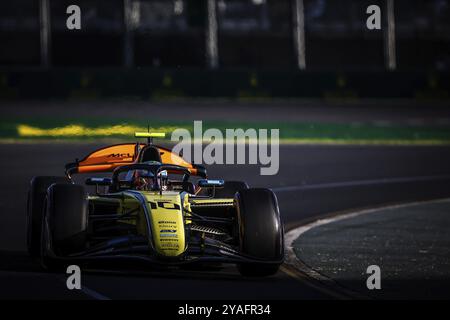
(99, 182)
(205, 183)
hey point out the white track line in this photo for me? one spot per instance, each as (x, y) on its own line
(360, 183)
(93, 294)
(87, 291)
(294, 234)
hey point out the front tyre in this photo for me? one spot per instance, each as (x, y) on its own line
(260, 231)
(64, 228)
(35, 209)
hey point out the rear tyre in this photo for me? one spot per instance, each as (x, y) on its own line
(35, 209)
(260, 231)
(230, 188)
(64, 228)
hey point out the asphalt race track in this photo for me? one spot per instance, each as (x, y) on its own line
(312, 181)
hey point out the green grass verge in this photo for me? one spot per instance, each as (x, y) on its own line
(93, 129)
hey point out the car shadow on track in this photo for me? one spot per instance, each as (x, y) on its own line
(18, 261)
(21, 262)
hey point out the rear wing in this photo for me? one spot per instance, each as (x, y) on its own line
(109, 158)
(105, 159)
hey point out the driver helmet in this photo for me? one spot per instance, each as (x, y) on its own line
(143, 180)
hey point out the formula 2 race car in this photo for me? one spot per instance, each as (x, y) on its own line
(149, 210)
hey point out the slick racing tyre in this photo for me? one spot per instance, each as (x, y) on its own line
(64, 228)
(35, 209)
(260, 231)
(230, 188)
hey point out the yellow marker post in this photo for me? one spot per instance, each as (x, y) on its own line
(150, 135)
